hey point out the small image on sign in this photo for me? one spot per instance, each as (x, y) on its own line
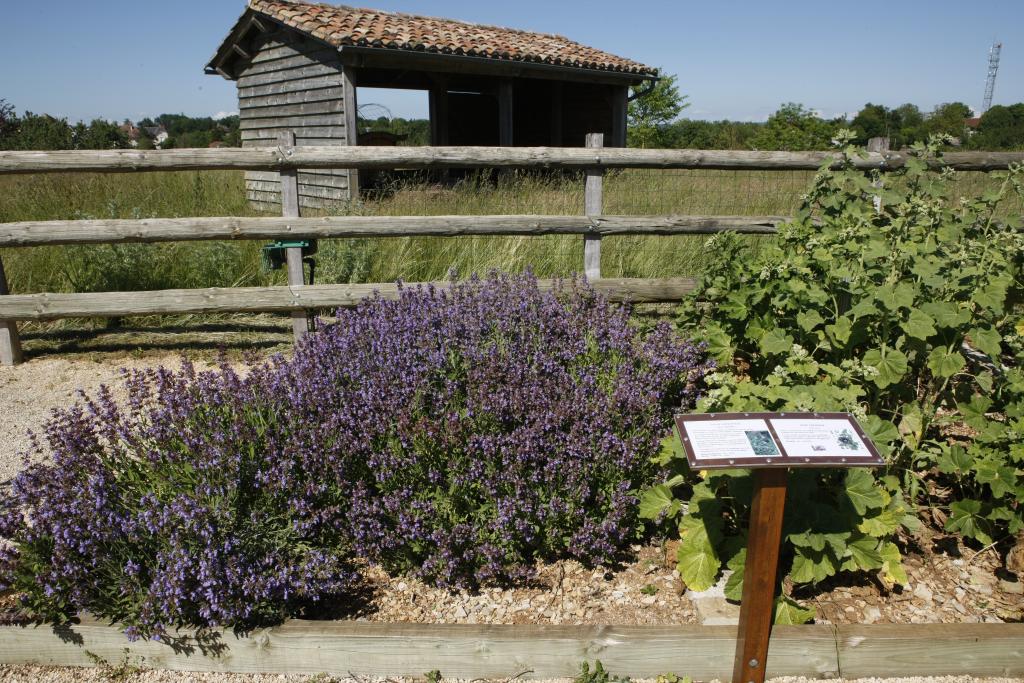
(762, 443)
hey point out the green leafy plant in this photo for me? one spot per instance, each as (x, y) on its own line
(597, 674)
(888, 299)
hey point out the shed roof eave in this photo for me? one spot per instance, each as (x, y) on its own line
(389, 58)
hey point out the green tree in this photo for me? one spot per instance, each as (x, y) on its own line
(651, 112)
(8, 122)
(949, 118)
(877, 121)
(793, 128)
(912, 125)
(1000, 127)
(99, 134)
(42, 131)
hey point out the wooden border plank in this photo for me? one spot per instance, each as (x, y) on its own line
(38, 233)
(270, 299)
(328, 156)
(457, 651)
(885, 650)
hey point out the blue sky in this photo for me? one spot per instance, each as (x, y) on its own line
(735, 59)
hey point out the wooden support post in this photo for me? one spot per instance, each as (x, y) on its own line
(290, 209)
(10, 342)
(620, 107)
(351, 126)
(557, 123)
(439, 114)
(593, 201)
(758, 607)
(506, 124)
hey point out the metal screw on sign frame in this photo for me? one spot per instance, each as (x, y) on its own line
(769, 444)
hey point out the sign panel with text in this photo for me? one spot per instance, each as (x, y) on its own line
(756, 440)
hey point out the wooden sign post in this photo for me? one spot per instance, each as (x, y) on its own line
(769, 444)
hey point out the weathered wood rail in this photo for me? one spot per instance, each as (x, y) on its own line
(39, 233)
(282, 158)
(285, 159)
(278, 299)
(537, 652)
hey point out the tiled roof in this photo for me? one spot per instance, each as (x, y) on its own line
(339, 26)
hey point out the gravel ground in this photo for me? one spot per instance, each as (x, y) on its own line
(121, 675)
(29, 392)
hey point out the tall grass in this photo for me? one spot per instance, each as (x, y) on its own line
(225, 264)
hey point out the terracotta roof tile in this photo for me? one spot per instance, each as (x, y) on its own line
(340, 25)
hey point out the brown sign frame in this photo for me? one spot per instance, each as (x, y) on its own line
(783, 460)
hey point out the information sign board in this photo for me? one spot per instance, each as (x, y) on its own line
(758, 440)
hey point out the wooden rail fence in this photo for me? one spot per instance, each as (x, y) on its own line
(286, 159)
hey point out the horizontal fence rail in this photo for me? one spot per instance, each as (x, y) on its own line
(287, 158)
(279, 299)
(37, 233)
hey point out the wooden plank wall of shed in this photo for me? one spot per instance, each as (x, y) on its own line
(293, 83)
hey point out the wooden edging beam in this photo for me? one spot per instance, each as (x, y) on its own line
(38, 233)
(502, 652)
(313, 157)
(271, 299)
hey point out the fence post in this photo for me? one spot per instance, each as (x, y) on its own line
(290, 209)
(10, 343)
(593, 207)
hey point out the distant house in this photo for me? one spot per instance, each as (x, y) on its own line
(297, 65)
(158, 134)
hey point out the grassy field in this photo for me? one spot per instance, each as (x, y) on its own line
(226, 264)
(221, 193)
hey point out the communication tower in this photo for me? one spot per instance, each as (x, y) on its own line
(990, 82)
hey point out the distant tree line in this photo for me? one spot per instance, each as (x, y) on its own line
(187, 131)
(654, 122)
(46, 132)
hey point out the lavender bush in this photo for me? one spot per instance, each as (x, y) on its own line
(190, 504)
(459, 435)
(491, 425)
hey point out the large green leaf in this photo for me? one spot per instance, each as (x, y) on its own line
(1000, 478)
(968, 517)
(919, 325)
(955, 460)
(864, 552)
(776, 341)
(808, 320)
(788, 612)
(891, 365)
(811, 567)
(657, 501)
(946, 313)
(988, 340)
(734, 585)
(884, 523)
(698, 563)
(894, 298)
(945, 363)
(892, 564)
(862, 492)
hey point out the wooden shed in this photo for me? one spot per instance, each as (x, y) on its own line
(297, 65)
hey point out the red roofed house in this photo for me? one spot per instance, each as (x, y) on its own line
(297, 65)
